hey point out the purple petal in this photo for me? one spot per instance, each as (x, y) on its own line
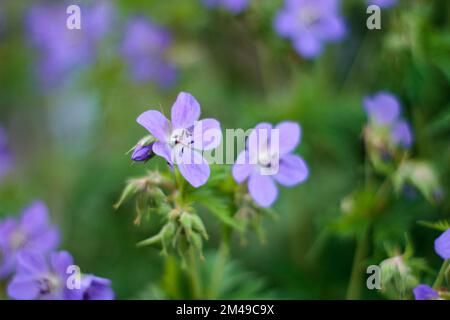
(44, 241)
(424, 292)
(96, 288)
(308, 45)
(34, 217)
(185, 111)
(60, 261)
(382, 108)
(193, 167)
(289, 134)
(207, 134)
(156, 123)
(383, 3)
(31, 263)
(292, 170)
(142, 153)
(402, 134)
(258, 139)
(262, 189)
(163, 150)
(242, 167)
(23, 287)
(442, 245)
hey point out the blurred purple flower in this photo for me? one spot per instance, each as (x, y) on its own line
(383, 3)
(234, 6)
(96, 288)
(442, 245)
(180, 140)
(144, 47)
(6, 158)
(33, 232)
(61, 49)
(309, 24)
(259, 158)
(383, 109)
(142, 153)
(425, 292)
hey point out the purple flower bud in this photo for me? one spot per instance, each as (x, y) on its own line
(425, 292)
(442, 245)
(142, 153)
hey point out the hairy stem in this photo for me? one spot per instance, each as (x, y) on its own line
(441, 275)
(196, 283)
(356, 278)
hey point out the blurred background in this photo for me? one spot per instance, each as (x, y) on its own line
(69, 100)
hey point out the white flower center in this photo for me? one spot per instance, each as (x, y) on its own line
(308, 16)
(180, 137)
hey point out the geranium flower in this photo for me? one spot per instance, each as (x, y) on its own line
(425, 292)
(309, 24)
(144, 48)
(265, 161)
(181, 140)
(33, 232)
(442, 245)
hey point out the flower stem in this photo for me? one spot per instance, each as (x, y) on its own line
(441, 275)
(194, 275)
(356, 278)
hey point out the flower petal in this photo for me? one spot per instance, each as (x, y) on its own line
(262, 189)
(193, 167)
(31, 263)
(289, 134)
(307, 45)
(34, 217)
(60, 261)
(259, 140)
(424, 292)
(242, 167)
(442, 245)
(207, 134)
(23, 287)
(44, 241)
(163, 150)
(156, 123)
(383, 108)
(185, 111)
(292, 170)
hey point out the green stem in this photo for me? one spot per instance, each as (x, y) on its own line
(356, 278)
(219, 266)
(194, 275)
(441, 275)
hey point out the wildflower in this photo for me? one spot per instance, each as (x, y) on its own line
(383, 110)
(6, 158)
(144, 47)
(62, 49)
(442, 245)
(234, 6)
(256, 162)
(383, 3)
(425, 292)
(41, 278)
(180, 140)
(309, 24)
(33, 232)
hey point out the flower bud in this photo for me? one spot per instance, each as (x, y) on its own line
(142, 153)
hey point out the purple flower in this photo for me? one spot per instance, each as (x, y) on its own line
(6, 158)
(266, 161)
(234, 6)
(383, 109)
(144, 48)
(442, 245)
(180, 140)
(383, 3)
(309, 24)
(41, 278)
(142, 153)
(33, 232)
(62, 49)
(424, 292)
(96, 288)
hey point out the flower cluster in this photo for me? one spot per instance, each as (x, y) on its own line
(144, 48)
(442, 248)
(309, 24)
(27, 252)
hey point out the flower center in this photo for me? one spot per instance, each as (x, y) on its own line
(48, 284)
(308, 16)
(180, 137)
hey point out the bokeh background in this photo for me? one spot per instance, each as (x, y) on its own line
(68, 105)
